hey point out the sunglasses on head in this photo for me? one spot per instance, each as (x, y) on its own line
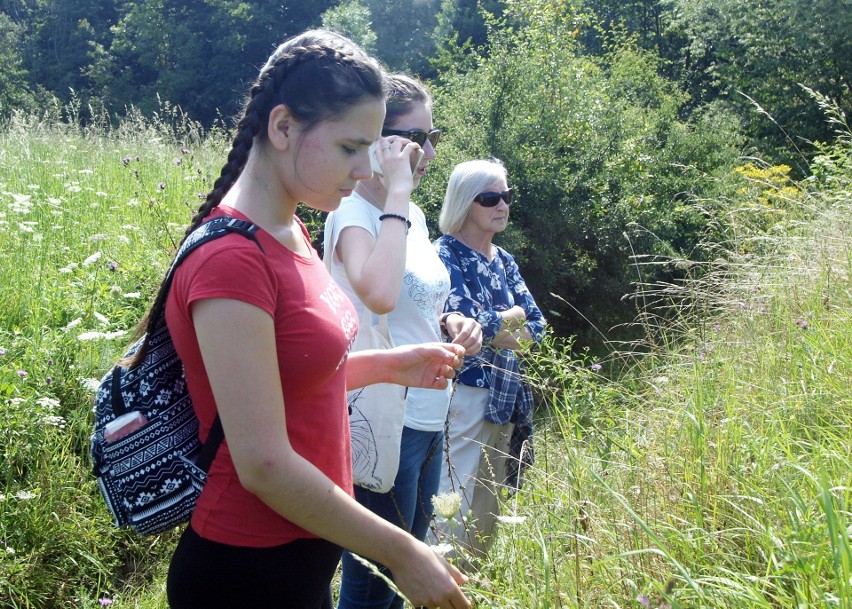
(418, 136)
(492, 199)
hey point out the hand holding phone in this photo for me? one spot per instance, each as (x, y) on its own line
(415, 157)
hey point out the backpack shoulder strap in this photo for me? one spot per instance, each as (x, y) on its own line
(213, 229)
(210, 230)
(209, 448)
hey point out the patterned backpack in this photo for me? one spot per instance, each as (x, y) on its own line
(147, 457)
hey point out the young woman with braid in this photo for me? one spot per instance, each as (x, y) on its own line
(383, 259)
(264, 334)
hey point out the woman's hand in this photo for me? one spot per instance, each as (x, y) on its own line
(513, 333)
(464, 331)
(398, 158)
(428, 580)
(429, 365)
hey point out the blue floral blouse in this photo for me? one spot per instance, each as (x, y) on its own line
(481, 290)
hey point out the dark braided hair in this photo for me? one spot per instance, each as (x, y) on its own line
(319, 75)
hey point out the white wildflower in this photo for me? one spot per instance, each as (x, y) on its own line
(26, 495)
(10, 550)
(48, 403)
(92, 259)
(73, 188)
(512, 519)
(447, 504)
(90, 384)
(442, 549)
(85, 336)
(72, 324)
(21, 204)
(133, 295)
(54, 420)
(101, 317)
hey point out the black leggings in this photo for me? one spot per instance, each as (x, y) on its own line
(206, 575)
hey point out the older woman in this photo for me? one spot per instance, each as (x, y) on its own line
(490, 403)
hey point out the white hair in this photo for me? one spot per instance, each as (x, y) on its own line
(467, 180)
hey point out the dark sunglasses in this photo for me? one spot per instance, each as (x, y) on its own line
(418, 136)
(492, 199)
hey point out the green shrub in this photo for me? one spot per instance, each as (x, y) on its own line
(603, 165)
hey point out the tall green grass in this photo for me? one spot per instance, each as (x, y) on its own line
(712, 470)
(715, 470)
(89, 217)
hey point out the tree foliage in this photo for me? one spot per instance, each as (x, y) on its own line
(198, 54)
(759, 54)
(606, 112)
(352, 19)
(14, 87)
(596, 149)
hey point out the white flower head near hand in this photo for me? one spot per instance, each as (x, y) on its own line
(446, 505)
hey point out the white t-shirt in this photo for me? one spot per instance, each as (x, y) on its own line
(425, 287)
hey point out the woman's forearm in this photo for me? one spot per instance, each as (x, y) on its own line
(375, 265)
(301, 493)
(428, 365)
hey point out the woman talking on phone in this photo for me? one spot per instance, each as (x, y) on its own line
(382, 257)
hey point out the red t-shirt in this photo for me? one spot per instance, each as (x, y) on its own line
(314, 326)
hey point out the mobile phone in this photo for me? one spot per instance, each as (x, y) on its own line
(415, 159)
(374, 160)
(121, 426)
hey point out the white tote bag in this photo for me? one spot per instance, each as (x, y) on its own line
(376, 414)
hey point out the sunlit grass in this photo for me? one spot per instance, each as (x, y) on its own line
(715, 471)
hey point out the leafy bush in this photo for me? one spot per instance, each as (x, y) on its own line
(603, 165)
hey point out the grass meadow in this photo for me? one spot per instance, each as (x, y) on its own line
(708, 466)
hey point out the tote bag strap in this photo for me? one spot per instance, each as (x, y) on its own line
(327, 255)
